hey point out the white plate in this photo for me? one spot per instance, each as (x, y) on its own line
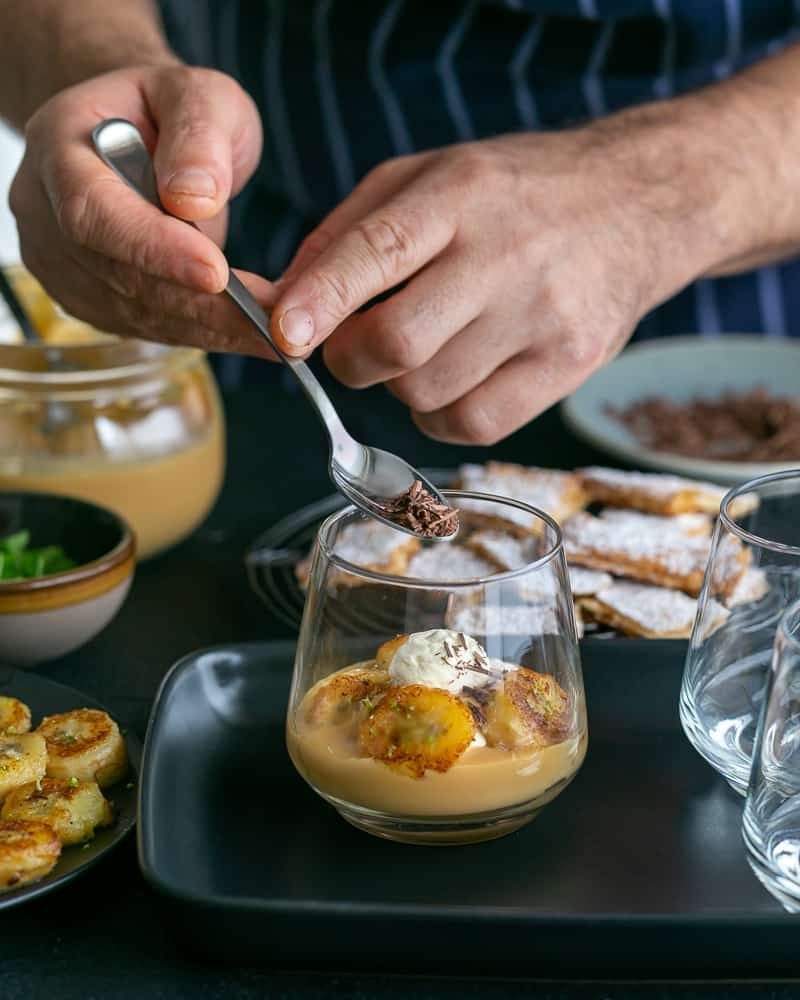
(679, 368)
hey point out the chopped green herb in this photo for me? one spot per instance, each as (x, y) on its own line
(20, 562)
(86, 846)
(73, 781)
(130, 785)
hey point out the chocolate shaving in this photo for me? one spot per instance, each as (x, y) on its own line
(480, 695)
(753, 426)
(477, 712)
(420, 512)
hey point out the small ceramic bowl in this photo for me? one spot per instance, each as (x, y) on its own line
(49, 616)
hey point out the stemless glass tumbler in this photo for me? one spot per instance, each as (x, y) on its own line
(445, 705)
(734, 631)
(771, 824)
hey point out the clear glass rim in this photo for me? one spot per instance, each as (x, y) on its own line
(753, 486)
(121, 358)
(790, 625)
(416, 583)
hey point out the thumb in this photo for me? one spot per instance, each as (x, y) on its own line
(209, 140)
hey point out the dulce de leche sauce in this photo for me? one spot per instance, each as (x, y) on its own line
(484, 778)
(162, 498)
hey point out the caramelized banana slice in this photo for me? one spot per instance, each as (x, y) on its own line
(28, 851)
(22, 759)
(385, 652)
(529, 709)
(73, 808)
(84, 744)
(15, 716)
(346, 698)
(416, 729)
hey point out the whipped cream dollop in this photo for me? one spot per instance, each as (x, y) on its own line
(442, 658)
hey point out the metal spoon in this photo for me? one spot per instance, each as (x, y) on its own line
(29, 332)
(57, 415)
(369, 477)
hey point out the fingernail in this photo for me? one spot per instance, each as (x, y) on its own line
(297, 327)
(202, 276)
(194, 182)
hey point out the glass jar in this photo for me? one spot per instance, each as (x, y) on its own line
(134, 426)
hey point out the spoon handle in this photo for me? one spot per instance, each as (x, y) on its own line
(121, 147)
(29, 332)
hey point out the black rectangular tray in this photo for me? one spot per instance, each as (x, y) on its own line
(636, 870)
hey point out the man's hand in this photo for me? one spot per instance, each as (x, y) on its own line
(526, 263)
(105, 254)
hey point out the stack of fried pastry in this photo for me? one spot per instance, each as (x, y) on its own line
(636, 565)
(51, 785)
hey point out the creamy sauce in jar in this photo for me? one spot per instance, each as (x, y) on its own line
(163, 498)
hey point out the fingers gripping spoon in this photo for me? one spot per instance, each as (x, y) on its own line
(372, 479)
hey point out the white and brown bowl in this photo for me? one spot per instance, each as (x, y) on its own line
(46, 617)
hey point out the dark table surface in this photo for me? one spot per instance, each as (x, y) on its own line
(106, 935)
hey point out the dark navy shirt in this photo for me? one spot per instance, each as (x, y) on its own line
(344, 84)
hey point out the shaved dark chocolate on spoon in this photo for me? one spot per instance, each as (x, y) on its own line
(417, 510)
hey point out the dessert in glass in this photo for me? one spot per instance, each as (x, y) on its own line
(445, 705)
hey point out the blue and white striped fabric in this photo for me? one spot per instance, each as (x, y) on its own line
(344, 84)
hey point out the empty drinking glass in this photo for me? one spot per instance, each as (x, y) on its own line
(737, 618)
(771, 826)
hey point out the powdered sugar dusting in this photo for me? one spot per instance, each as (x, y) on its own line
(751, 586)
(503, 549)
(653, 483)
(547, 489)
(515, 619)
(584, 582)
(369, 543)
(449, 562)
(681, 524)
(676, 554)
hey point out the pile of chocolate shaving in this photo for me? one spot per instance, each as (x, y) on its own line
(751, 426)
(420, 512)
(461, 659)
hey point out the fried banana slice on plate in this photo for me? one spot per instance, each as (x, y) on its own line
(386, 652)
(23, 758)
(415, 729)
(15, 716)
(529, 709)
(85, 744)
(346, 698)
(28, 851)
(74, 809)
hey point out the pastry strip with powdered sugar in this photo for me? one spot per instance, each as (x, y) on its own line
(650, 555)
(656, 493)
(556, 492)
(639, 609)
